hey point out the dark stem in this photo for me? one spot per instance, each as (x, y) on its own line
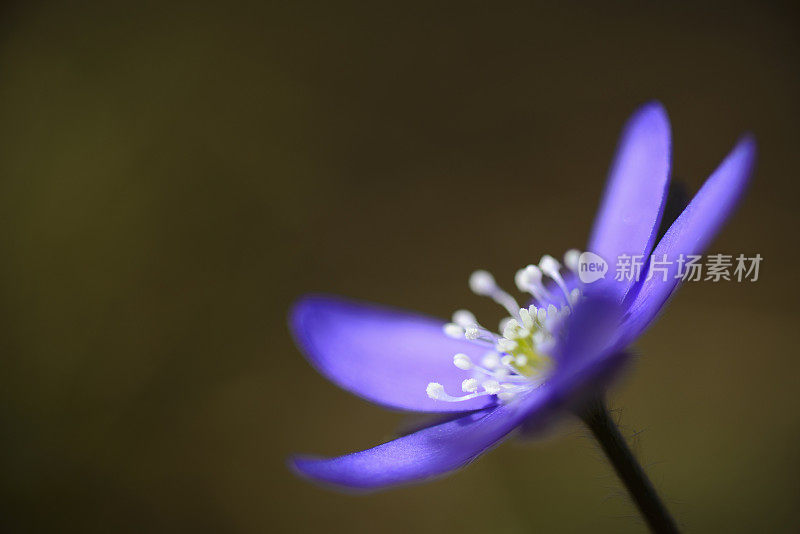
(596, 417)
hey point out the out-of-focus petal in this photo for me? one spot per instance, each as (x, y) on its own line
(384, 355)
(429, 452)
(692, 231)
(589, 353)
(629, 215)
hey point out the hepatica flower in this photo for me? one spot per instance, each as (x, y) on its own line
(554, 354)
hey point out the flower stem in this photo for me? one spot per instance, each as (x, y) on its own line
(595, 416)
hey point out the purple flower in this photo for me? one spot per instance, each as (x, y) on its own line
(567, 346)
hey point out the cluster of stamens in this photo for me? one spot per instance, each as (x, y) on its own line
(517, 359)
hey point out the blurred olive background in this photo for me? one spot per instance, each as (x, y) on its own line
(173, 175)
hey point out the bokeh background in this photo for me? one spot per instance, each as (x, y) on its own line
(173, 175)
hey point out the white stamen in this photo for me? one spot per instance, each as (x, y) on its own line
(529, 280)
(511, 329)
(482, 283)
(472, 333)
(504, 374)
(453, 330)
(464, 318)
(575, 296)
(530, 275)
(525, 317)
(506, 345)
(550, 267)
(470, 385)
(491, 387)
(522, 360)
(490, 360)
(506, 301)
(572, 259)
(435, 391)
(462, 361)
(503, 323)
(541, 315)
(509, 391)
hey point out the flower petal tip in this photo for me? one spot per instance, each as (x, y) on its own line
(748, 146)
(651, 114)
(309, 468)
(654, 107)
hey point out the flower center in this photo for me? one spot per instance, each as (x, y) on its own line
(518, 359)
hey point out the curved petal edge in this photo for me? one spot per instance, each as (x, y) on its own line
(381, 354)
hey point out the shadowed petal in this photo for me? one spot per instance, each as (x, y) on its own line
(693, 230)
(630, 212)
(590, 330)
(384, 355)
(588, 355)
(427, 453)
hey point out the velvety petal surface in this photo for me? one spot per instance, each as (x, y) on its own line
(692, 231)
(384, 355)
(427, 453)
(629, 215)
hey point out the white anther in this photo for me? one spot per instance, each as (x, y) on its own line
(527, 277)
(482, 283)
(503, 323)
(521, 280)
(453, 330)
(529, 280)
(435, 391)
(464, 318)
(525, 317)
(549, 266)
(571, 259)
(511, 330)
(521, 360)
(490, 360)
(492, 387)
(507, 360)
(462, 361)
(506, 395)
(552, 311)
(506, 345)
(470, 385)
(541, 315)
(472, 333)
(575, 295)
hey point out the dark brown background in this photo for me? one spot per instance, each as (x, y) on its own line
(172, 176)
